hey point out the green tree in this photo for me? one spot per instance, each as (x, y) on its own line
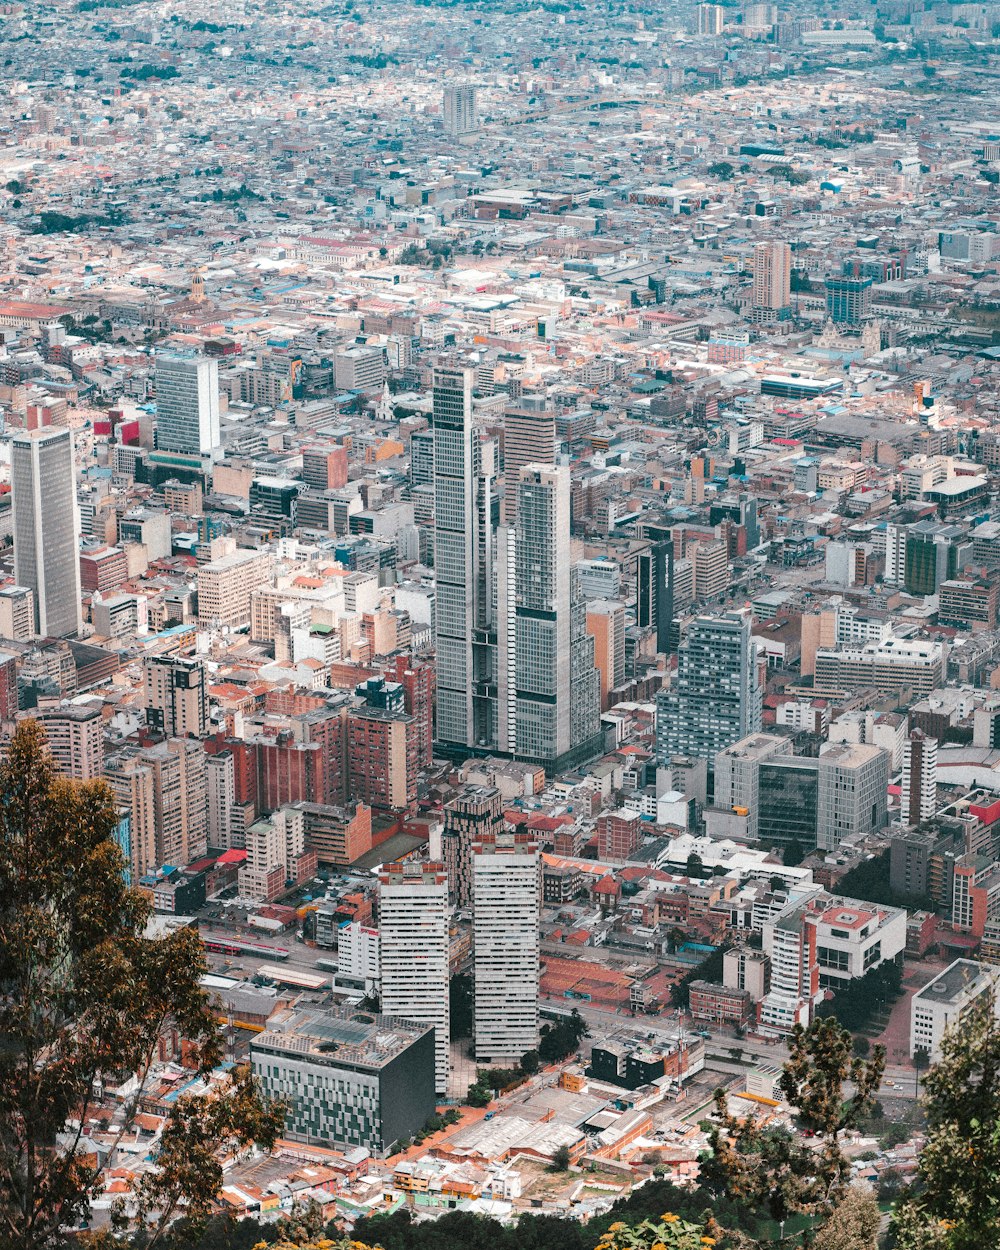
(561, 1159)
(956, 1201)
(721, 169)
(768, 1168)
(530, 1062)
(84, 1000)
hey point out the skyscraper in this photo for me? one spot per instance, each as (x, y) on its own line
(554, 706)
(413, 952)
(506, 900)
(529, 437)
(772, 276)
(464, 559)
(710, 19)
(46, 525)
(654, 596)
(717, 696)
(187, 405)
(459, 110)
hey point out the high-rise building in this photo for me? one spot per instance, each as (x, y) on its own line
(464, 564)
(164, 789)
(413, 959)
(606, 625)
(382, 758)
(176, 693)
(417, 680)
(717, 694)
(8, 686)
(46, 528)
(474, 815)
(187, 405)
(220, 784)
(75, 740)
(226, 586)
(529, 437)
(853, 787)
(710, 19)
(459, 110)
(919, 791)
(772, 275)
(654, 597)
(789, 941)
(506, 890)
(552, 704)
(848, 300)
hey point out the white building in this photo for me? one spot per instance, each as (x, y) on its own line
(358, 956)
(945, 1000)
(852, 938)
(46, 528)
(274, 845)
(187, 405)
(506, 892)
(413, 960)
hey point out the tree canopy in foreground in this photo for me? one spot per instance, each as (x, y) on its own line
(85, 997)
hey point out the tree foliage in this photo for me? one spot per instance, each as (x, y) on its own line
(956, 1203)
(854, 1223)
(562, 1039)
(84, 1000)
(772, 1169)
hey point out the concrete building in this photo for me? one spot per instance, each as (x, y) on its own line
(474, 815)
(853, 793)
(464, 561)
(737, 774)
(358, 956)
(918, 800)
(717, 697)
(852, 938)
(17, 613)
(75, 740)
(772, 273)
(46, 528)
(345, 1080)
(176, 693)
(789, 941)
(413, 962)
(382, 758)
(506, 900)
(549, 695)
(187, 405)
(220, 787)
(943, 1002)
(529, 437)
(606, 625)
(226, 585)
(459, 110)
(276, 855)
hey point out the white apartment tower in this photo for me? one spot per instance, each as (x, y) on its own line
(187, 405)
(459, 110)
(506, 887)
(413, 952)
(46, 528)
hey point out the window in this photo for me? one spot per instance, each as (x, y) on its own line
(830, 957)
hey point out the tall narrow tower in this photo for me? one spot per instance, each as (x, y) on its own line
(772, 277)
(46, 527)
(413, 952)
(506, 903)
(464, 563)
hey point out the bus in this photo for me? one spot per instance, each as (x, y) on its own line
(222, 944)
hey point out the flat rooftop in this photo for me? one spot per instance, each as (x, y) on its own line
(957, 982)
(342, 1037)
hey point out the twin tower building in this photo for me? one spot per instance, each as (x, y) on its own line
(515, 664)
